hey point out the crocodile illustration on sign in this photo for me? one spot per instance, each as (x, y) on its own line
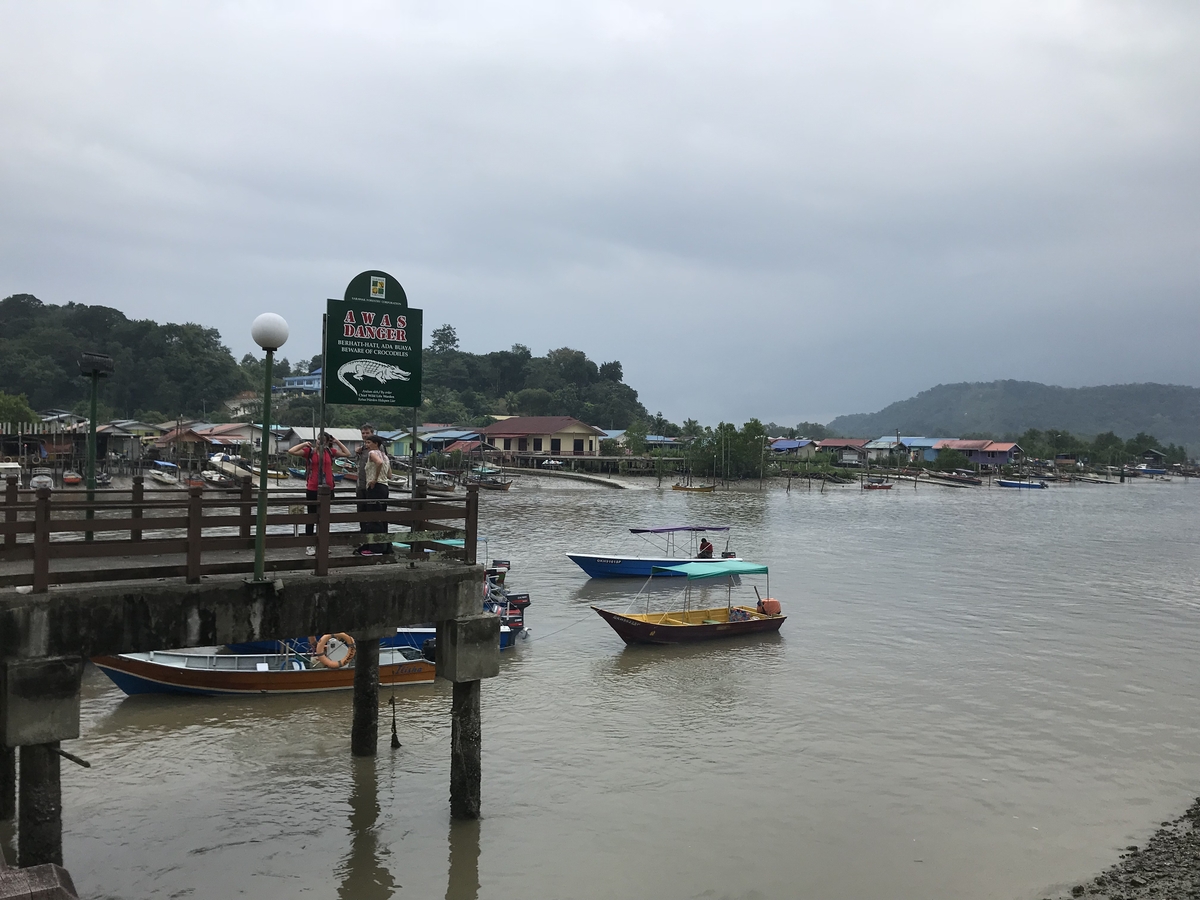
(358, 369)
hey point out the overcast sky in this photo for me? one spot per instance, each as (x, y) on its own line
(777, 209)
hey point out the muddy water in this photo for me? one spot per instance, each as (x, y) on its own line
(977, 694)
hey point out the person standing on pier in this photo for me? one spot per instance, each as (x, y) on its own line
(360, 459)
(374, 477)
(320, 471)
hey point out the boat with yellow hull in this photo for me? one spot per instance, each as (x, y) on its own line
(688, 625)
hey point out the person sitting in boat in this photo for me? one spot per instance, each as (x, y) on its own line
(320, 471)
(706, 549)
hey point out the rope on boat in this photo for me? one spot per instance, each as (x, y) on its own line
(538, 637)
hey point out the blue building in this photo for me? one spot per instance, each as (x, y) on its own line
(304, 384)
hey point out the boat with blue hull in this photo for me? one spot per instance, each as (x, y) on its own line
(615, 565)
(1008, 483)
(497, 600)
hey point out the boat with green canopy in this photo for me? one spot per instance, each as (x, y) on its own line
(684, 626)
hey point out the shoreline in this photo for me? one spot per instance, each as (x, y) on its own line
(1167, 867)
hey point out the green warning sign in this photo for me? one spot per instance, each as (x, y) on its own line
(373, 345)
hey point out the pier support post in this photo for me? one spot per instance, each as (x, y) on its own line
(466, 744)
(364, 732)
(8, 781)
(39, 827)
(468, 650)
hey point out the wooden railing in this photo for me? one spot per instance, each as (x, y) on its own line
(41, 528)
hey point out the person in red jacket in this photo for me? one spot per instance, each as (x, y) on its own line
(320, 471)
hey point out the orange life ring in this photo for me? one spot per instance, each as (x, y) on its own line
(334, 663)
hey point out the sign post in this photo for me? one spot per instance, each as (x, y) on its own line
(372, 348)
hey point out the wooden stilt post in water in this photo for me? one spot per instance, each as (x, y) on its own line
(466, 771)
(364, 731)
(8, 782)
(39, 827)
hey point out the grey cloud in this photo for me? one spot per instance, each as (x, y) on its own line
(784, 210)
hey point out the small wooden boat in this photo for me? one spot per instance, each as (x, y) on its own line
(490, 484)
(72, 477)
(297, 473)
(273, 474)
(695, 488)
(956, 478)
(217, 479)
(41, 478)
(687, 625)
(165, 473)
(1009, 483)
(228, 464)
(103, 479)
(209, 673)
(874, 486)
(489, 478)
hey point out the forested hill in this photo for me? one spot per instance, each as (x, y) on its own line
(169, 369)
(165, 371)
(999, 408)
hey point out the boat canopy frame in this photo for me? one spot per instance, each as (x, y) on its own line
(669, 532)
(731, 570)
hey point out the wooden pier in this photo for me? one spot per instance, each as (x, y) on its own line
(169, 569)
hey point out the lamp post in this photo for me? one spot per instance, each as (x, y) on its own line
(94, 366)
(270, 332)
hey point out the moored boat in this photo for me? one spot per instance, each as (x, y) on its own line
(497, 600)
(695, 488)
(165, 473)
(228, 464)
(956, 478)
(273, 474)
(215, 478)
(41, 478)
(1010, 483)
(609, 565)
(688, 625)
(211, 673)
(72, 477)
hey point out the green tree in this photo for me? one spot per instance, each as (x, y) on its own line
(15, 409)
(443, 339)
(635, 437)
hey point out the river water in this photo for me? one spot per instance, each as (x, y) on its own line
(977, 694)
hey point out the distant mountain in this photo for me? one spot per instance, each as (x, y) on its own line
(1170, 412)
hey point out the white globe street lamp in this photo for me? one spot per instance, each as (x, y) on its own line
(270, 331)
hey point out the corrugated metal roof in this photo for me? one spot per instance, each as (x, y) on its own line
(519, 426)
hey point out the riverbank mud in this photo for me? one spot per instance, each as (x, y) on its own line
(1167, 867)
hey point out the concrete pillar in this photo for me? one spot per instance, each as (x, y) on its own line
(466, 768)
(39, 828)
(364, 732)
(8, 781)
